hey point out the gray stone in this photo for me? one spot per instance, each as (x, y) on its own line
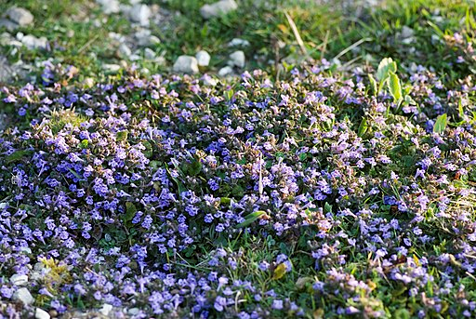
(111, 67)
(186, 64)
(203, 58)
(106, 309)
(237, 59)
(23, 295)
(19, 280)
(20, 16)
(143, 37)
(32, 42)
(124, 50)
(133, 311)
(236, 42)
(109, 6)
(149, 54)
(6, 71)
(41, 314)
(227, 70)
(140, 13)
(218, 8)
(9, 25)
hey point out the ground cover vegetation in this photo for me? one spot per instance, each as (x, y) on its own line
(335, 181)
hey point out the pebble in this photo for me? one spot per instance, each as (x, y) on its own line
(23, 295)
(41, 314)
(186, 64)
(19, 280)
(237, 59)
(32, 42)
(203, 58)
(111, 67)
(143, 37)
(149, 54)
(109, 6)
(133, 311)
(218, 8)
(140, 13)
(106, 309)
(20, 16)
(227, 70)
(124, 50)
(237, 42)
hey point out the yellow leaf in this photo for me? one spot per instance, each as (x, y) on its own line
(318, 314)
(279, 271)
(283, 28)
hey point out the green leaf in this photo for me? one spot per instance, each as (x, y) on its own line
(250, 218)
(130, 212)
(17, 156)
(373, 83)
(386, 66)
(394, 86)
(327, 208)
(121, 136)
(229, 94)
(440, 124)
(460, 109)
(194, 167)
(84, 144)
(363, 127)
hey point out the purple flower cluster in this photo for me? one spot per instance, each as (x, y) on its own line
(139, 193)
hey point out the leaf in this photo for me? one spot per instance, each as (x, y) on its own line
(279, 271)
(121, 136)
(318, 313)
(250, 218)
(327, 207)
(194, 167)
(17, 156)
(363, 127)
(440, 124)
(130, 212)
(373, 83)
(394, 86)
(460, 109)
(386, 65)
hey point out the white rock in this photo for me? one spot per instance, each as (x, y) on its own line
(19, 280)
(143, 37)
(227, 70)
(149, 54)
(238, 42)
(203, 58)
(160, 60)
(109, 6)
(24, 295)
(135, 57)
(125, 50)
(237, 58)
(106, 309)
(140, 13)
(20, 16)
(111, 67)
(154, 40)
(186, 64)
(133, 311)
(218, 8)
(41, 314)
(32, 42)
